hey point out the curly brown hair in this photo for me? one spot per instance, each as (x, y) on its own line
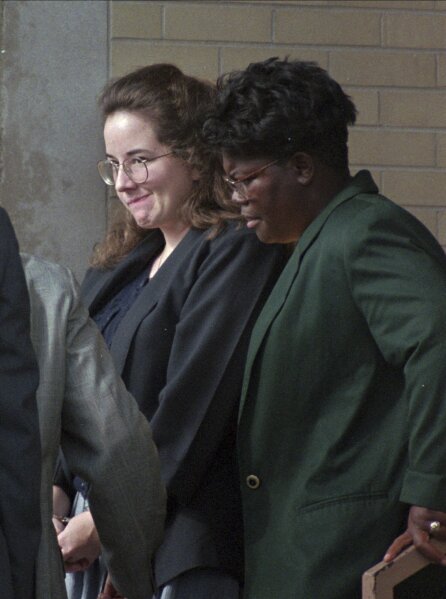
(177, 105)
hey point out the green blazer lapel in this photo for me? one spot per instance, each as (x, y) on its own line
(271, 308)
(361, 183)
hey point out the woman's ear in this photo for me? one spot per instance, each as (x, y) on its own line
(304, 166)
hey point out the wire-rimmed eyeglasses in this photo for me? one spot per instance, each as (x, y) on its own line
(241, 185)
(136, 168)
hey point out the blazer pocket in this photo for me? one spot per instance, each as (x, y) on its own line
(335, 540)
(351, 525)
(343, 501)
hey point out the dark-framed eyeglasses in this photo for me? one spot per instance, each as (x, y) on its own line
(241, 185)
(136, 168)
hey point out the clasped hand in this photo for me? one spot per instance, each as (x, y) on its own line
(418, 533)
(79, 543)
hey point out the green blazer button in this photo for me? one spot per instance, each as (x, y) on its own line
(253, 481)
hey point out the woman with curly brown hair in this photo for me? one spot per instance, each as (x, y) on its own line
(175, 288)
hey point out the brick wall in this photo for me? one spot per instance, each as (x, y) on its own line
(389, 55)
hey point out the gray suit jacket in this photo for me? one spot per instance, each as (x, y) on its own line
(84, 406)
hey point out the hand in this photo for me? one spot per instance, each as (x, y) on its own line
(397, 546)
(79, 543)
(109, 591)
(418, 533)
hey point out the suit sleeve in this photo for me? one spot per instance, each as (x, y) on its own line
(207, 358)
(398, 276)
(108, 442)
(20, 460)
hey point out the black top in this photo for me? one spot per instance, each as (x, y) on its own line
(109, 317)
(180, 349)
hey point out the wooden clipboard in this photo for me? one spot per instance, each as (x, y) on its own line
(379, 581)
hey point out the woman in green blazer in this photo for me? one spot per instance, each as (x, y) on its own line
(343, 418)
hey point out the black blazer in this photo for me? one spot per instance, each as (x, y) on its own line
(181, 350)
(19, 428)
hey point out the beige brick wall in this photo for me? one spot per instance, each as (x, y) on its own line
(390, 56)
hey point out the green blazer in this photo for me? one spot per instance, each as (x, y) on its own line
(343, 413)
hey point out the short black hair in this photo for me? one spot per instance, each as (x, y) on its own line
(275, 108)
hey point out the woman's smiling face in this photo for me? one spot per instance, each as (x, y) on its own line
(155, 203)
